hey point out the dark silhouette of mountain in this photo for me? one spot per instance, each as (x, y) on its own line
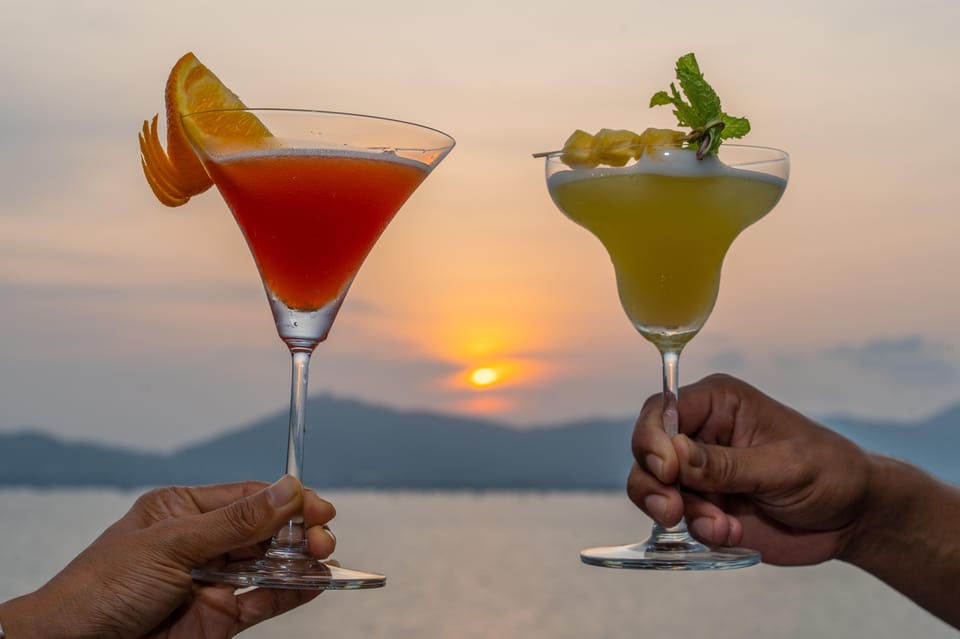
(35, 459)
(352, 444)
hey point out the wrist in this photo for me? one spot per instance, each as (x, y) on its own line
(19, 618)
(906, 513)
(883, 513)
(29, 617)
(907, 535)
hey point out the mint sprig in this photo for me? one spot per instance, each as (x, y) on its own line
(700, 110)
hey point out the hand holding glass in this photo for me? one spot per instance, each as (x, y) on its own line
(667, 221)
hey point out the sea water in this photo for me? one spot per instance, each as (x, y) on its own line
(504, 565)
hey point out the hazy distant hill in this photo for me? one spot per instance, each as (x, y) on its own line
(40, 460)
(351, 444)
(933, 443)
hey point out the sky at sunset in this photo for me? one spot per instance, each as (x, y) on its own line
(127, 322)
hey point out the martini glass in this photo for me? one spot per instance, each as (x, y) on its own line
(311, 191)
(667, 221)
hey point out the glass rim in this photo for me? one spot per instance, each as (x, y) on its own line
(554, 155)
(362, 116)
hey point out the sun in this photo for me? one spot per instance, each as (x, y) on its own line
(484, 376)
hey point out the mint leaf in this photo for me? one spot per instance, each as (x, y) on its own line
(702, 97)
(699, 108)
(660, 98)
(734, 127)
(685, 113)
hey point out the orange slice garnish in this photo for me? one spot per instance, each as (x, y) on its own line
(176, 175)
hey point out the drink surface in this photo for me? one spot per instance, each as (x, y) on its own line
(666, 223)
(310, 217)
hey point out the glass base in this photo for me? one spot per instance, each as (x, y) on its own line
(295, 574)
(670, 550)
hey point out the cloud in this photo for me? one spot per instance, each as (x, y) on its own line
(16, 293)
(909, 360)
(912, 360)
(49, 147)
(906, 377)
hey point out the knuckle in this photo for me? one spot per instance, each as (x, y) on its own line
(163, 503)
(645, 434)
(722, 378)
(724, 383)
(637, 485)
(634, 492)
(720, 470)
(150, 499)
(650, 404)
(243, 515)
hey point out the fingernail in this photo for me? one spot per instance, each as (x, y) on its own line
(656, 506)
(702, 527)
(282, 491)
(327, 530)
(654, 465)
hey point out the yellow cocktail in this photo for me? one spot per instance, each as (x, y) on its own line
(667, 216)
(667, 222)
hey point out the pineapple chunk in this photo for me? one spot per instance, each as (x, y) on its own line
(615, 146)
(578, 150)
(658, 137)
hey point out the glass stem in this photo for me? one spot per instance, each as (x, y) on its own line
(671, 379)
(671, 417)
(290, 541)
(298, 407)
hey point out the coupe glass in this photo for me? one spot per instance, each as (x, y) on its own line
(667, 221)
(311, 191)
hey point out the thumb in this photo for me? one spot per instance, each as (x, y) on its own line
(722, 469)
(244, 522)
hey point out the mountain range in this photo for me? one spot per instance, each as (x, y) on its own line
(353, 444)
